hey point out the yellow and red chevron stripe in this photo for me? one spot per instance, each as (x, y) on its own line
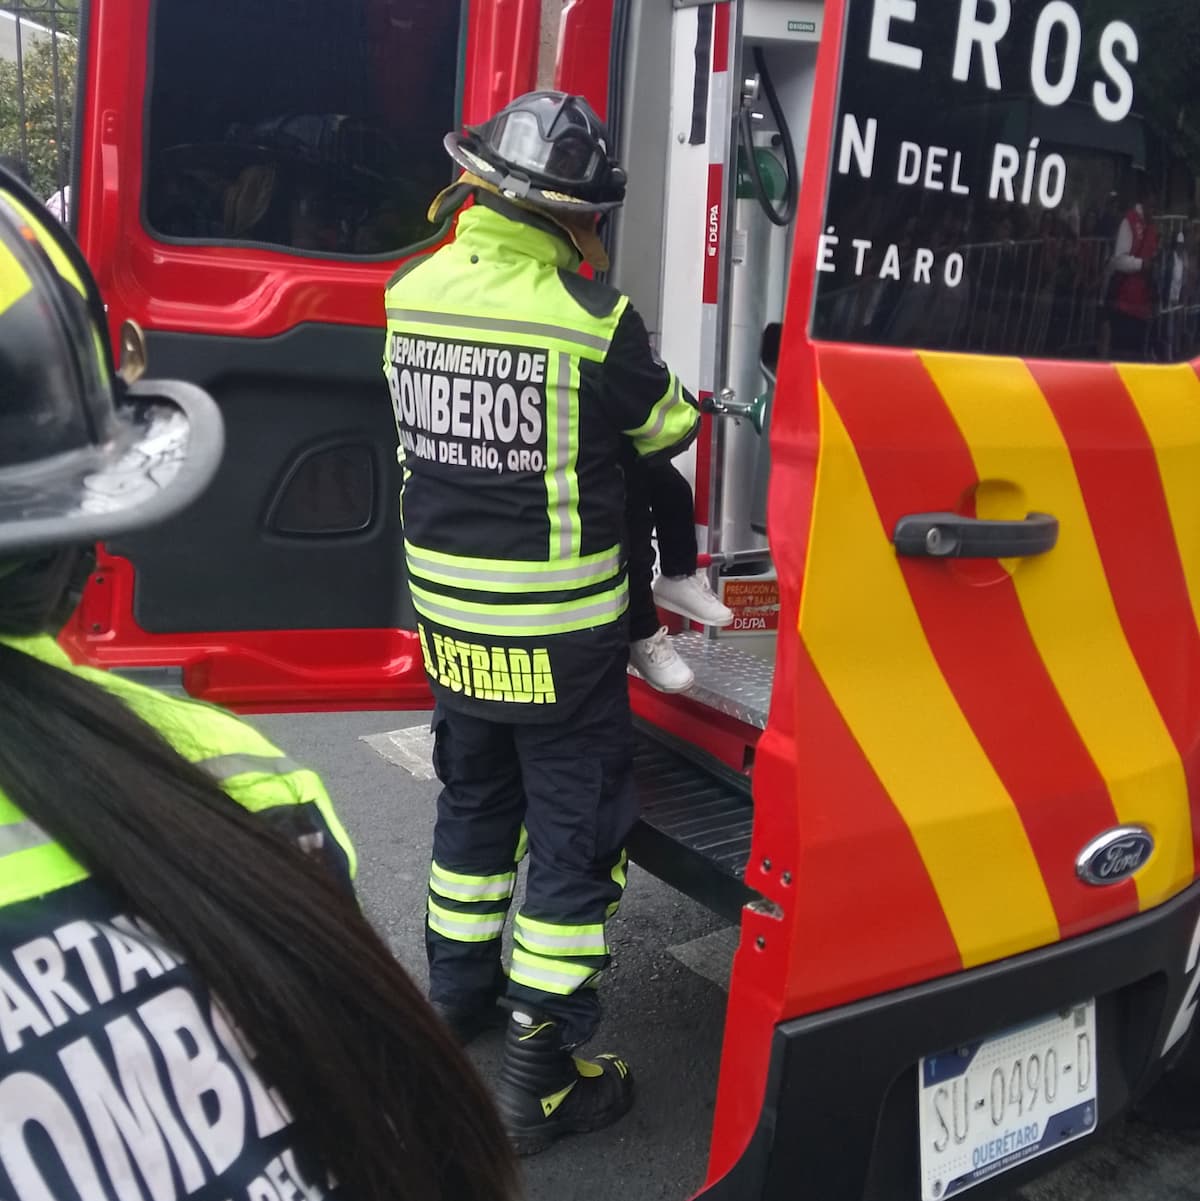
(975, 728)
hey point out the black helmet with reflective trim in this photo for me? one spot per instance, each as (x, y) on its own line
(83, 455)
(548, 148)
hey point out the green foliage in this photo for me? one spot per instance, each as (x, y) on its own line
(49, 94)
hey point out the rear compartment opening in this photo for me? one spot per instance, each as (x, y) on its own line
(714, 149)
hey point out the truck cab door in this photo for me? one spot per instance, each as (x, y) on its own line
(249, 177)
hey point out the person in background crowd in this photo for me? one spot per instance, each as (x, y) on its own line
(1132, 300)
(1173, 287)
(59, 205)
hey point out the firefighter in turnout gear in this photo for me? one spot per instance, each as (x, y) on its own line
(517, 385)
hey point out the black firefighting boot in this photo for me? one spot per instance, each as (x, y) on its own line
(545, 1092)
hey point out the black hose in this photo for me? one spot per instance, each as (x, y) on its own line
(618, 48)
(784, 215)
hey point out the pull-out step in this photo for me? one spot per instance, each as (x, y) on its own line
(695, 824)
(731, 677)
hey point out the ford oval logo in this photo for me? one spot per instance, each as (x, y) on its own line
(1115, 855)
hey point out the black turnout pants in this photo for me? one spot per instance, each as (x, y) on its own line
(561, 792)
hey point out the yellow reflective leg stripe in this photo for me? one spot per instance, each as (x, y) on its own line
(522, 845)
(619, 875)
(1101, 684)
(562, 452)
(861, 601)
(559, 940)
(601, 608)
(559, 976)
(464, 927)
(460, 887)
(620, 879)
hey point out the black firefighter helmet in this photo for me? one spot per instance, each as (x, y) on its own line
(83, 455)
(547, 148)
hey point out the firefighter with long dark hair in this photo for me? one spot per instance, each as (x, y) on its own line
(518, 385)
(191, 1002)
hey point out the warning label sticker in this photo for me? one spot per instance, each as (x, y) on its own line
(755, 604)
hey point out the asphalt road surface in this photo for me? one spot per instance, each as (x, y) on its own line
(664, 995)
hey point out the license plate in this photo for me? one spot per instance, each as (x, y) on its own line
(986, 1107)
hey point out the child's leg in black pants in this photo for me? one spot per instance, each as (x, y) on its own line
(639, 530)
(673, 507)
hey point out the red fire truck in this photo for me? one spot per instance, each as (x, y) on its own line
(932, 266)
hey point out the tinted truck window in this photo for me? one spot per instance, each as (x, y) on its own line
(310, 124)
(1015, 177)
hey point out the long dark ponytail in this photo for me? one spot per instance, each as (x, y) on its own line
(380, 1093)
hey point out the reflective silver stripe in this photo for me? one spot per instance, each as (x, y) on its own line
(555, 944)
(501, 325)
(225, 767)
(471, 892)
(481, 889)
(22, 836)
(467, 931)
(565, 460)
(667, 407)
(486, 575)
(564, 983)
(611, 607)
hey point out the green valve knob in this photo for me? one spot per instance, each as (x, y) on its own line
(769, 167)
(758, 411)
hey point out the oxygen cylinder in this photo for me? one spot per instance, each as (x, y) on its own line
(755, 300)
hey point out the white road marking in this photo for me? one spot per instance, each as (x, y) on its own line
(410, 748)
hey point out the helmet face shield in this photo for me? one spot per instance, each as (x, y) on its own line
(569, 158)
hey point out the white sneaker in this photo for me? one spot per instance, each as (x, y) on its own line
(691, 596)
(659, 664)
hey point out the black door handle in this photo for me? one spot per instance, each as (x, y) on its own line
(949, 536)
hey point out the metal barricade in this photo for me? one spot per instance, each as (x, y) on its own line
(1037, 297)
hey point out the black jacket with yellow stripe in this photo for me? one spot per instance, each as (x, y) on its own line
(518, 386)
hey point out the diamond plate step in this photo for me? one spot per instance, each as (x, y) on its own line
(696, 822)
(729, 678)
